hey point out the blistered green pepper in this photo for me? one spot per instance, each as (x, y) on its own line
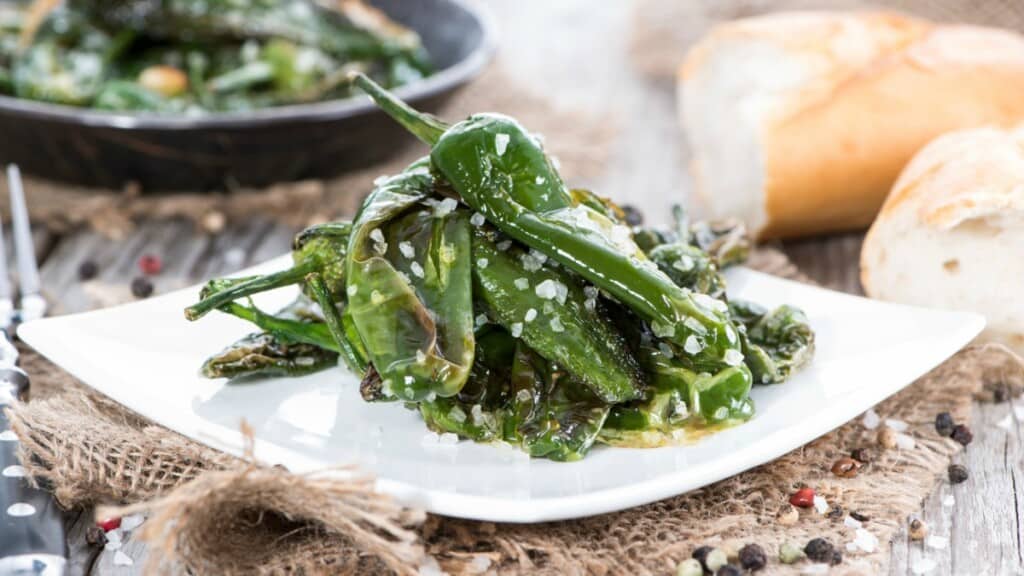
(686, 264)
(776, 342)
(409, 287)
(500, 170)
(553, 414)
(264, 354)
(550, 310)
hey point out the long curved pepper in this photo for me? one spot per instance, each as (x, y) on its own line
(500, 169)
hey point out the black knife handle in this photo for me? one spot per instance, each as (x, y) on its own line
(31, 528)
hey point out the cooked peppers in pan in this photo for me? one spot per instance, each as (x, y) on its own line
(193, 56)
(477, 289)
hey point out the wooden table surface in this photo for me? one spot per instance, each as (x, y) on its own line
(579, 54)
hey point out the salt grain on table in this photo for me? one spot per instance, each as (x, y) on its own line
(114, 539)
(1018, 411)
(923, 566)
(1006, 423)
(897, 425)
(937, 542)
(448, 439)
(122, 559)
(871, 419)
(851, 522)
(815, 569)
(949, 500)
(866, 541)
(820, 504)
(430, 567)
(905, 442)
(480, 563)
(132, 521)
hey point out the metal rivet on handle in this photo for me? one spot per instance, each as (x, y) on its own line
(21, 509)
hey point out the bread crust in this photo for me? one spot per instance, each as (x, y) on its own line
(877, 87)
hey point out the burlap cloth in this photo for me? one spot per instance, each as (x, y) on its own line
(211, 513)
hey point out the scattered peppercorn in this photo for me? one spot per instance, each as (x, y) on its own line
(790, 553)
(108, 524)
(835, 513)
(633, 216)
(715, 560)
(701, 555)
(918, 529)
(957, 473)
(819, 550)
(150, 264)
(88, 270)
(837, 558)
(944, 424)
(863, 455)
(802, 498)
(752, 557)
(962, 434)
(689, 567)
(886, 437)
(95, 536)
(846, 467)
(142, 287)
(787, 515)
(729, 570)
(858, 516)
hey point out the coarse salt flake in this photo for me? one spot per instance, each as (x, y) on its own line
(445, 207)
(482, 263)
(480, 563)
(851, 522)
(904, 441)
(501, 143)
(477, 219)
(937, 542)
(866, 541)
(352, 289)
(376, 298)
(692, 345)
(409, 380)
(523, 395)
(448, 438)
(666, 350)
(480, 320)
(539, 180)
(516, 329)
(457, 414)
(546, 289)
(820, 504)
(923, 566)
(695, 325)
(376, 235)
(530, 316)
(556, 325)
(504, 245)
(896, 425)
(122, 559)
(733, 357)
(421, 357)
(521, 283)
(871, 419)
(407, 249)
(684, 264)
(948, 500)
(663, 330)
(416, 269)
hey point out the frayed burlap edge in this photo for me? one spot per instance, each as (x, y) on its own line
(213, 513)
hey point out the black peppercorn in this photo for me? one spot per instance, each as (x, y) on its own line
(95, 536)
(863, 455)
(142, 287)
(837, 558)
(858, 516)
(701, 555)
(957, 473)
(752, 557)
(729, 570)
(819, 550)
(944, 424)
(88, 270)
(962, 434)
(835, 513)
(633, 216)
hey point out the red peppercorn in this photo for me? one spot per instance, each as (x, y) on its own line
(150, 264)
(108, 524)
(802, 498)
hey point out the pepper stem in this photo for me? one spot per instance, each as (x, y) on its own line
(323, 297)
(255, 285)
(424, 126)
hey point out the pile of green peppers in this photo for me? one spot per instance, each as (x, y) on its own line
(476, 288)
(195, 56)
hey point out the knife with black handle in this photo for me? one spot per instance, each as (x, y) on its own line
(31, 528)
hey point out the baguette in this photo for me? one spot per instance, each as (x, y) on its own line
(951, 232)
(800, 122)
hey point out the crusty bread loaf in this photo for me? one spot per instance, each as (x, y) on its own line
(800, 122)
(951, 232)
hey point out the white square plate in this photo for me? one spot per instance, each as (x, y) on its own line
(146, 356)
